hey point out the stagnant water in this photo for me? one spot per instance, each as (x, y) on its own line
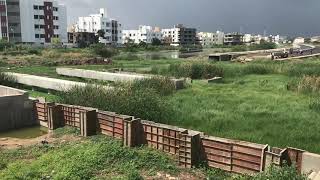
(25, 133)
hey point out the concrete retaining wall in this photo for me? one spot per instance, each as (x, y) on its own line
(46, 83)
(107, 76)
(310, 162)
(16, 110)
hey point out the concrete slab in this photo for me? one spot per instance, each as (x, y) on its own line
(46, 83)
(107, 76)
(310, 162)
(16, 109)
(215, 80)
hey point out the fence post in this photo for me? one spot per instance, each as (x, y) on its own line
(132, 133)
(88, 123)
(189, 149)
(295, 158)
(55, 116)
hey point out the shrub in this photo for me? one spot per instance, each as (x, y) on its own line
(315, 105)
(5, 44)
(34, 51)
(103, 50)
(276, 173)
(309, 84)
(143, 103)
(195, 70)
(162, 85)
(7, 80)
(257, 69)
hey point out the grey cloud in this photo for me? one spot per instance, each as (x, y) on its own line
(287, 17)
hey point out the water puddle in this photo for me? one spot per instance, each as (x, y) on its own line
(25, 133)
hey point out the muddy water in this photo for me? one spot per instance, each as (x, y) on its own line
(25, 133)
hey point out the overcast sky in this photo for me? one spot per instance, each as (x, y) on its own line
(285, 17)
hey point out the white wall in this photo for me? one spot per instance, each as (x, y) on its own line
(28, 22)
(143, 34)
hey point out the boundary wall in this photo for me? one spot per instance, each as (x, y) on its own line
(190, 148)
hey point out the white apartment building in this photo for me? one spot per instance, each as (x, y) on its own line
(208, 39)
(33, 21)
(93, 23)
(143, 34)
(179, 35)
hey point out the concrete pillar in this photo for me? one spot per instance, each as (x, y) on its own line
(55, 116)
(132, 132)
(88, 123)
(189, 149)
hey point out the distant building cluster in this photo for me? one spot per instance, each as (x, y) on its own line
(39, 21)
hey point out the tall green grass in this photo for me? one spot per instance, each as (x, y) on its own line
(96, 157)
(7, 80)
(143, 99)
(195, 70)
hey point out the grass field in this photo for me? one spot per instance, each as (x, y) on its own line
(69, 156)
(253, 103)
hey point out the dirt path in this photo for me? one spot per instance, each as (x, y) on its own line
(13, 143)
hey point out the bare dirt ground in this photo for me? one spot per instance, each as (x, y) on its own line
(13, 143)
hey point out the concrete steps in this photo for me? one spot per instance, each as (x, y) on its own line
(314, 176)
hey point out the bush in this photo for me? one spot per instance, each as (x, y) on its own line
(315, 105)
(103, 51)
(196, 70)
(5, 44)
(143, 103)
(7, 80)
(309, 84)
(257, 69)
(162, 85)
(276, 173)
(34, 51)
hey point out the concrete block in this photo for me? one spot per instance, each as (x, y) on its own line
(310, 162)
(55, 116)
(44, 82)
(113, 77)
(215, 80)
(105, 76)
(16, 109)
(312, 175)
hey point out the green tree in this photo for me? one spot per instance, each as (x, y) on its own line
(156, 42)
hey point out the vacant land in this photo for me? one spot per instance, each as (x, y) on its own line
(68, 156)
(258, 101)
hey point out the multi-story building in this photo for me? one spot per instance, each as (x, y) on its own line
(33, 21)
(180, 35)
(233, 39)
(208, 39)
(97, 23)
(144, 34)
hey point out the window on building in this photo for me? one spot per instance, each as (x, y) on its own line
(41, 7)
(41, 26)
(55, 27)
(36, 26)
(55, 9)
(13, 3)
(36, 17)
(37, 36)
(42, 36)
(36, 8)
(41, 17)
